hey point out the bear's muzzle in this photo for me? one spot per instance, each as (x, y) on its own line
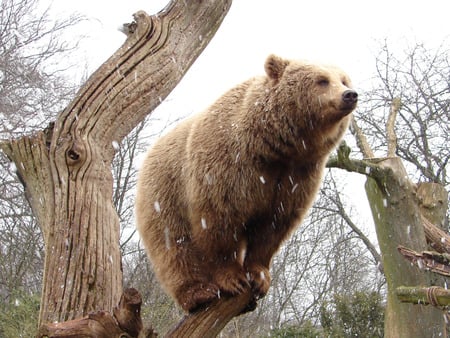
(349, 100)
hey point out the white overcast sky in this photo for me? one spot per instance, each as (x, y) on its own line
(345, 33)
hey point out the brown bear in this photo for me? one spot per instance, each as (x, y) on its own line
(219, 193)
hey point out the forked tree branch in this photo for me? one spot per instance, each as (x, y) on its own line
(137, 78)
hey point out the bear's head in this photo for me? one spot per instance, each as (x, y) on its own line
(318, 99)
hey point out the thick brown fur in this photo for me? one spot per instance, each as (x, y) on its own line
(219, 194)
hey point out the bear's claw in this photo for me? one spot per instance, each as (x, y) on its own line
(231, 279)
(196, 296)
(259, 280)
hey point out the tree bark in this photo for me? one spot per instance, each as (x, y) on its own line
(433, 202)
(391, 137)
(397, 217)
(66, 168)
(437, 238)
(396, 206)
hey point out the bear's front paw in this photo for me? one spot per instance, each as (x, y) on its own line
(231, 279)
(194, 296)
(259, 279)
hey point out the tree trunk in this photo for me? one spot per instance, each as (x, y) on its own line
(433, 202)
(397, 217)
(66, 168)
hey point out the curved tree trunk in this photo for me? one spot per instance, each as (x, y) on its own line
(67, 167)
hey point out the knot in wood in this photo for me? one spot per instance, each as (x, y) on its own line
(75, 155)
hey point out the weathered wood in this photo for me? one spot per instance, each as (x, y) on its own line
(433, 202)
(125, 322)
(397, 212)
(391, 137)
(128, 312)
(398, 222)
(211, 320)
(66, 168)
(438, 239)
(428, 260)
(361, 140)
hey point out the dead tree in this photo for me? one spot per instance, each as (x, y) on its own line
(398, 216)
(66, 169)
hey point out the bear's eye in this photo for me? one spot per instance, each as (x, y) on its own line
(323, 82)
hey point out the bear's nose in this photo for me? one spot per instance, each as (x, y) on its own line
(350, 96)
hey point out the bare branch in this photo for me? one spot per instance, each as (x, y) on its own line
(434, 295)
(419, 77)
(211, 320)
(368, 167)
(429, 260)
(390, 127)
(361, 140)
(373, 251)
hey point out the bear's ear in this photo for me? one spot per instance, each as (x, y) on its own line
(275, 66)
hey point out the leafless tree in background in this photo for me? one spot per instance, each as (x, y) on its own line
(32, 89)
(401, 131)
(420, 78)
(33, 86)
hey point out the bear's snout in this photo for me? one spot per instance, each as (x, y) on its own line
(349, 100)
(350, 97)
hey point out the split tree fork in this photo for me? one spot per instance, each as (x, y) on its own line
(66, 170)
